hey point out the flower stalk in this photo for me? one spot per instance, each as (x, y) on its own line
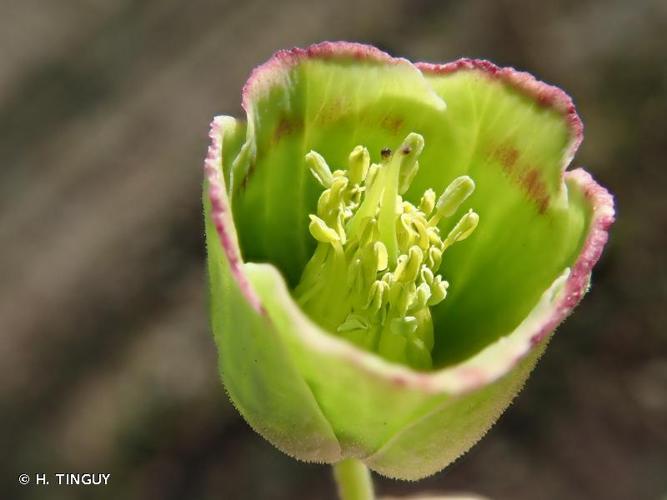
(353, 480)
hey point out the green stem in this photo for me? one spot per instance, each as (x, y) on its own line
(354, 480)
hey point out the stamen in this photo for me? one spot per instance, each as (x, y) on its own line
(427, 202)
(358, 163)
(373, 276)
(452, 198)
(381, 255)
(319, 168)
(321, 232)
(463, 228)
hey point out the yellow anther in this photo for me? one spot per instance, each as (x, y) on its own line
(381, 255)
(463, 228)
(338, 186)
(400, 267)
(427, 202)
(426, 275)
(340, 227)
(422, 296)
(455, 194)
(319, 168)
(321, 232)
(405, 234)
(400, 297)
(434, 236)
(377, 296)
(324, 205)
(413, 264)
(438, 291)
(358, 163)
(422, 232)
(434, 258)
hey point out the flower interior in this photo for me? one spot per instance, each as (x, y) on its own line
(375, 271)
(509, 133)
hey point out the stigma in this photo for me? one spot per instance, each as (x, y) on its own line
(374, 274)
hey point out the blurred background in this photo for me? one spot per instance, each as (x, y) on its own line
(106, 359)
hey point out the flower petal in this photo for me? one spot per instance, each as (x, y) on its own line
(257, 370)
(514, 136)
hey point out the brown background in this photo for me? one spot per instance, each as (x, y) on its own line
(106, 361)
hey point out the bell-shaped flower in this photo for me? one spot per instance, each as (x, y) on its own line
(390, 247)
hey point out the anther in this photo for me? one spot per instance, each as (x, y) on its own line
(420, 227)
(438, 291)
(434, 258)
(358, 163)
(319, 168)
(422, 297)
(338, 186)
(381, 255)
(411, 264)
(427, 202)
(463, 228)
(455, 194)
(426, 275)
(376, 296)
(321, 232)
(400, 296)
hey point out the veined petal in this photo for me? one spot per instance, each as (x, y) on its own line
(514, 136)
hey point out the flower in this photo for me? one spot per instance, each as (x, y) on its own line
(335, 336)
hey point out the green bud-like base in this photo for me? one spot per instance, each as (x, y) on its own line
(374, 273)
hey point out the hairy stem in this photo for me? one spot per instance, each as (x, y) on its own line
(353, 480)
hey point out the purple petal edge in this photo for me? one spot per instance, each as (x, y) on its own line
(544, 94)
(598, 234)
(221, 214)
(288, 58)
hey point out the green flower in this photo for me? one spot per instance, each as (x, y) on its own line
(351, 318)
